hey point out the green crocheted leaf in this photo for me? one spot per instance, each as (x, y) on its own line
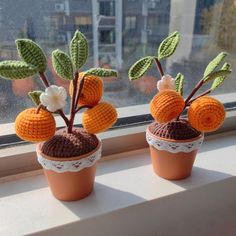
(16, 70)
(78, 50)
(179, 83)
(216, 74)
(101, 72)
(62, 64)
(35, 97)
(218, 81)
(168, 46)
(214, 63)
(31, 53)
(139, 68)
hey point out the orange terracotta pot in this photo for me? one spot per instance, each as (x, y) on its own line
(173, 159)
(71, 178)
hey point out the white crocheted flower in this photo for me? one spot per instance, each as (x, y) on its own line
(166, 82)
(54, 98)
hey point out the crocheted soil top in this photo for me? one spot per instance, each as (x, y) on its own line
(63, 144)
(178, 130)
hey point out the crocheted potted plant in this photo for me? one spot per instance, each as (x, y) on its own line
(173, 140)
(68, 155)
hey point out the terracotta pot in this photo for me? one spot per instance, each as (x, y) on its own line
(173, 159)
(71, 178)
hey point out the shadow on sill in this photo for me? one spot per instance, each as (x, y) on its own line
(22, 185)
(132, 161)
(211, 143)
(100, 200)
(207, 210)
(199, 177)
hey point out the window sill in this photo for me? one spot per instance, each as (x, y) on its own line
(21, 158)
(129, 199)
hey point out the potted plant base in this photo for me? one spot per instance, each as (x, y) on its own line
(69, 155)
(173, 148)
(173, 141)
(70, 178)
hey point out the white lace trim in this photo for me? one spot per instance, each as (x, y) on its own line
(73, 166)
(173, 147)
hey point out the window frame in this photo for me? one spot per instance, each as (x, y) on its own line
(130, 116)
(12, 147)
(127, 135)
(130, 22)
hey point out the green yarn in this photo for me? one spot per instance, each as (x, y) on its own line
(168, 45)
(139, 68)
(35, 97)
(216, 74)
(179, 83)
(31, 53)
(101, 72)
(78, 50)
(16, 70)
(218, 81)
(62, 64)
(214, 63)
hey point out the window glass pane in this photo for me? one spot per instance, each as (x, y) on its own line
(107, 8)
(119, 33)
(130, 22)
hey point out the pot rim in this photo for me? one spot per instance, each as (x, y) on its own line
(174, 140)
(64, 159)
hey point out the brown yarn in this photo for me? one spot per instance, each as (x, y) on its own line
(63, 144)
(178, 130)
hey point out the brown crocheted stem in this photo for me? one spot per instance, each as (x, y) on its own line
(40, 106)
(81, 85)
(159, 67)
(72, 106)
(63, 116)
(44, 79)
(200, 95)
(197, 87)
(178, 130)
(46, 84)
(64, 144)
(82, 107)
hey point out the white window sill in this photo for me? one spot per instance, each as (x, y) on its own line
(129, 199)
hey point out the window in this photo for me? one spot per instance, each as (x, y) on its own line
(107, 8)
(83, 20)
(130, 22)
(206, 28)
(107, 37)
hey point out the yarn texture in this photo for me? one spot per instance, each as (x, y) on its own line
(16, 70)
(64, 144)
(99, 118)
(206, 114)
(31, 53)
(166, 106)
(92, 90)
(178, 130)
(34, 127)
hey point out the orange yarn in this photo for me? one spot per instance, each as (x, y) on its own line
(34, 127)
(92, 90)
(166, 105)
(99, 118)
(206, 114)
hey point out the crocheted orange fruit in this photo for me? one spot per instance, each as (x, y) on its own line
(34, 127)
(206, 114)
(166, 105)
(92, 90)
(99, 118)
